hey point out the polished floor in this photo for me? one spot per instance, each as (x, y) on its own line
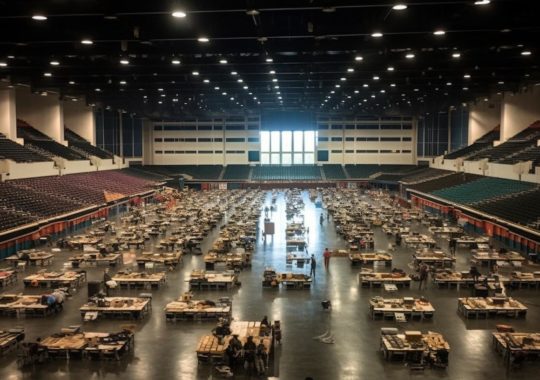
(167, 350)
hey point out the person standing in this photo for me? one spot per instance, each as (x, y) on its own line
(313, 266)
(423, 276)
(327, 254)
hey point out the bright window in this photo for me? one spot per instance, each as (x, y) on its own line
(288, 147)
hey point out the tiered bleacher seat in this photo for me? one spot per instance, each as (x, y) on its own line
(140, 172)
(444, 182)
(287, 173)
(236, 172)
(530, 154)
(42, 144)
(195, 171)
(520, 142)
(84, 147)
(332, 171)
(18, 153)
(366, 171)
(523, 208)
(483, 143)
(10, 218)
(424, 175)
(483, 189)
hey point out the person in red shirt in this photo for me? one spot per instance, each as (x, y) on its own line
(327, 254)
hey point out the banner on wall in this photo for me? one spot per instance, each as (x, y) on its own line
(222, 186)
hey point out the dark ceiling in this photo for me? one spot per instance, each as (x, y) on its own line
(313, 45)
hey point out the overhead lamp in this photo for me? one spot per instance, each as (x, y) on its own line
(160, 89)
(356, 91)
(500, 82)
(252, 12)
(179, 14)
(526, 52)
(71, 82)
(203, 39)
(223, 61)
(269, 60)
(350, 70)
(448, 83)
(239, 80)
(97, 90)
(87, 41)
(389, 68)
(482, 2)
(216, 88)
(338, 86)
(439, 32)
(175, 61)
(47, 74)
(466, 76)
(245, 87)
(399, 7)
(234, 73)
(3, 64)
(274, 80)
(206, 80)
(276, 87)
(39, 17)
(365, 85)
(456, 55)
(343, 79)
(223, 93)
(392, 85)
(122, 82)
(124, 62)
(376, 35)
(54, 63)
(376, 77)
(358, 58)
(272, 72)
(195, 73)
(410, 56)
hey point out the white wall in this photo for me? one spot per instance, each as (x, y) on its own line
(80, 119)
(8, 117)
(519, 111)
(44, 113)
(483, 117)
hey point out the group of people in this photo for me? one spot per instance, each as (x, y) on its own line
(326, 255)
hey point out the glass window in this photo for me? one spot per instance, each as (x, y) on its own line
(275, 159)
(265, 141)
(286, 159)
(309, 158)
(298, 137)
(265, 158)
(275, 137)
(298, 158)
(309, 141)
(286, 141)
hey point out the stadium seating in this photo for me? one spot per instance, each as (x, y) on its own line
(366, 171)
(443, 182)
(18, 153)
(530, 154)
(44, 145)
(84, 147)
(520, 142)
(482, 189)
(523, 208)
(195, 171)
(483, 143)
(240, 172)
(334, 172)
(424, 175)
(287, 173)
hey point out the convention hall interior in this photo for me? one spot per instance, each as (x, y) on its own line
(269, 189)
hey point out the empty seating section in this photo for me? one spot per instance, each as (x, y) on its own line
(523, 208)
(484, 142)
(424, 175)
(482, 189)
(27, 200)
(44, 145)
(84, 147)
(195, 171)
(366, 171)
(446, 181)
(236, 172)
(140, 172)
(530, 154)
(18, 153)
(334, 171)
(287, 173)
(520, 142)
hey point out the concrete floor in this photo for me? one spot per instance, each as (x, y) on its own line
(167, 350)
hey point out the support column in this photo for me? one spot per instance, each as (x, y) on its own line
(79, 118)
(519, 111)
(8, 113)
(483, 117)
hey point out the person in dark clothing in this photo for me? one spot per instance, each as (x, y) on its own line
(452, 244)
(398, 239)
(321, 219)
(261, 358)
(475, 273)
(233, 350)
(106, 278)
(423, 276)
(313, 266)
(250, 349)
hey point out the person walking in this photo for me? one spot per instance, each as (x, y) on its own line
(423, 276)
(321, 219)
(313, 266)
(327, 254)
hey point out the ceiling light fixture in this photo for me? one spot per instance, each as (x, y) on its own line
(350, 70)
(390, 68)
(124, 62)
(203, 39)
(175, 62)
(456, 55)
(240, 80)
(376, 77)
(97, 90)
(47, 74)
(3, 64)
(269, 60)
(526, 52)
(223, 61)
(54, 63)
(439, 32)
(482, 2)
(195, 73)
(87, 42)
(39, 17)
(179, 14)
(71, 82)
(234, 73)
(122, 82)
(206, 80)
(272, 72)
(376, 35)
(358, 58)
(410, 56)
(399, 7)
(466, 76)
(343, 79)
